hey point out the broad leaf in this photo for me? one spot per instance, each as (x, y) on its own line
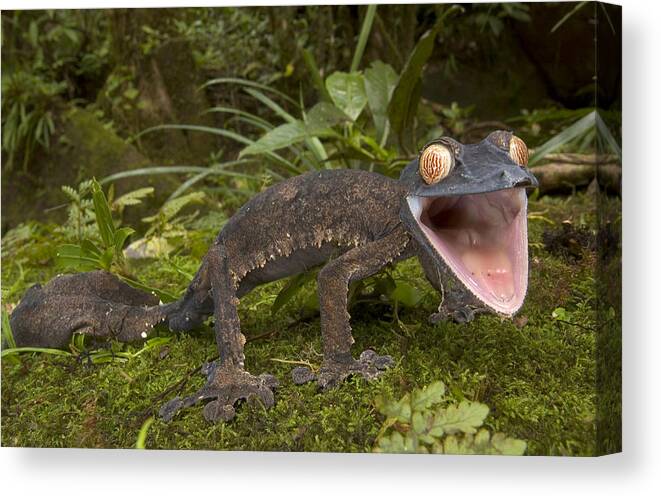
(405, 294)
(347, 90)
(282, 136)
(120, 238)
(380, 82)
(403, 105)
(324, 115)
(89, 248)
(75, 257)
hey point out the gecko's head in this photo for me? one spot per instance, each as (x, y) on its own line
(466, 205)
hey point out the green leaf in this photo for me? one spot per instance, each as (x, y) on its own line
(204, 129)
(107, 257)
(464, 417)
(282, 136)
(324, 115)
(347, 90)
(120, 238)
(103, 217)
(29, 349)
(313, 69)
(405, 294)
(261, 97)
(134, 197)
(250, 84)
(142, 435)
(403, 105)
(422, 399)
(75, 257)
(400, 410)
(419, 423)
(570, 133)
(293, 286)
(508, 446)
(89, 249)
(559, 313)
(380, 82)
(363, 37)
(131, 93)
(6, 330)
(392, 444)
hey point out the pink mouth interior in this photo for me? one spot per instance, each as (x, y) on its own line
(483, 239)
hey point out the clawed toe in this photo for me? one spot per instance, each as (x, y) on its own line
(369, 365)
(459, 315)
(225, 386)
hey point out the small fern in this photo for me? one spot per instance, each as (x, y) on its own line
(81, 221)
(419, 423)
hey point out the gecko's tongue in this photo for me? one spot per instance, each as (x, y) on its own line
(483, 239)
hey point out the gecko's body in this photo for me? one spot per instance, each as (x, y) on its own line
(459, 208)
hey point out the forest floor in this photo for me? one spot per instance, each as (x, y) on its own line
(536, 372)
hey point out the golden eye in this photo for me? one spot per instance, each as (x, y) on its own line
(518, 151)
(436, 162)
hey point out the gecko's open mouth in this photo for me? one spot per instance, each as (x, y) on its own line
(483, 238)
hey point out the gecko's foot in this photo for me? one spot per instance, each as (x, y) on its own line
(369, 365)
(459, 315)
(225, 386)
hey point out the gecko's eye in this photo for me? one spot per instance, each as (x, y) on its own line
(512, 144)
(436, 162)
(518, 151)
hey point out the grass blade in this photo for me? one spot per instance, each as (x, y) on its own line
(566, 17)
(150, 171)
(604, 132)
(250, 84)
(313, 69)
(6, 330)
(31, 349)
(579, 128)
(247, 116)
(313, 144)
(225, 133)
(365, 31)
(258, 95)
(142, 435)
(217, 170)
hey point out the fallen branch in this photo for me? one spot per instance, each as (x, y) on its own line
(568, 171)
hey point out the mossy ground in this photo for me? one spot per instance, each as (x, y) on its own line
(537, 373)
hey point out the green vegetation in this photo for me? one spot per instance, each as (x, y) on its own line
(229, 102)
(536, 373)
(413, 426)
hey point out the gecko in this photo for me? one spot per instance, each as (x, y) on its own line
(461, 209)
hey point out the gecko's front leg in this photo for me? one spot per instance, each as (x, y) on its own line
(333, 286)
(227, 379)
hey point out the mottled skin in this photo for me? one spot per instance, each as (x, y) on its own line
(355, 222)
(347, 218)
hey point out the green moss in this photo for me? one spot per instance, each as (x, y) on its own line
(536, 373)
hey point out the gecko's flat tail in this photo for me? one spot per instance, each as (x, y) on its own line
(94, 303)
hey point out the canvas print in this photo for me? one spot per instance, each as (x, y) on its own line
(374, 228)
